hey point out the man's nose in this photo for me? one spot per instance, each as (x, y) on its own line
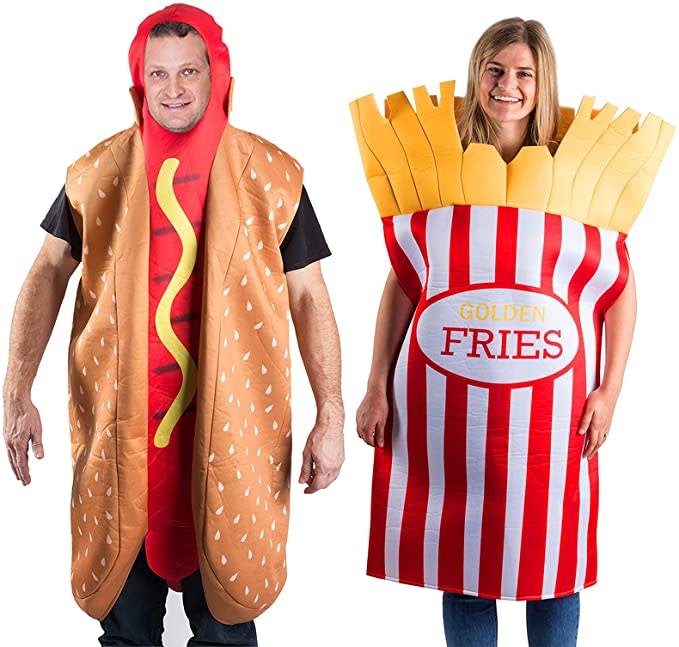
(174, 87)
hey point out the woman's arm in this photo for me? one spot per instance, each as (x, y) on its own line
(619, 326)
(619, 323)
(393, 317)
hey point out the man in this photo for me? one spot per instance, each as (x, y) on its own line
(195, 239)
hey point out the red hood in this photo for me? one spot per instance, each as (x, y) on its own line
(210, 32)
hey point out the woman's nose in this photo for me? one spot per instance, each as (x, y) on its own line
(507, 81)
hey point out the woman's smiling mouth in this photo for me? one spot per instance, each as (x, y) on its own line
(503, 98)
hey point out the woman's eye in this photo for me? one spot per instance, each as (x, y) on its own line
(495, 70)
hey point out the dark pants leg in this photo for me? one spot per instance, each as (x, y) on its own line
(472, 622)
(469, 621)
(206, 629)
(553, 622)
(137, 616)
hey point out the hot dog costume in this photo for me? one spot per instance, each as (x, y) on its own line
(481, 487)
(178, 362)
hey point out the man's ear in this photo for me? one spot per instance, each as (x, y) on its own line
(229, 98)
(137, 100)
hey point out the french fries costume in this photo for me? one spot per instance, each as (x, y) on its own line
(481, 487)
(178, 363)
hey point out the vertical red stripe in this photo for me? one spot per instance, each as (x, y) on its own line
(404, 271)
(459, 248)
(380, 493)
(534, 530)
(505, 245)
(609, 297)
(591, 570)
(418, 227)
(451, 541)
(568, 550)
(495, 491)
(550, 251)
(588, 266)
(411, 548)
(411, 553)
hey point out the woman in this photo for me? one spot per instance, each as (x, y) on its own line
(484, 400)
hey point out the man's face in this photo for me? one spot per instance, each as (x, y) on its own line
(177, 80)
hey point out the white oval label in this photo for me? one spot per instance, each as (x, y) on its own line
(498, 335)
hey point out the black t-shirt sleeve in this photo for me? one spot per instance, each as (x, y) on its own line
(304, 242)
(59, 223)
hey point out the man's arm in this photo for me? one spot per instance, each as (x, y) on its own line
(319, 347)
(35, 312)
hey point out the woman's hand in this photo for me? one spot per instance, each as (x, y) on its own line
(393, 317)
(371, 417)
(596, 419)
(619, 327)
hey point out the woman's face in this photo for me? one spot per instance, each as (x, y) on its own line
(508, 84)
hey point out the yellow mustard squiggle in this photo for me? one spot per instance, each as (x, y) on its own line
(172, 209)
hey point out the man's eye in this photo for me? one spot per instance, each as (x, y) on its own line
(190, 71)
(156, 74)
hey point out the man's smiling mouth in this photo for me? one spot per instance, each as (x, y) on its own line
(175, 105)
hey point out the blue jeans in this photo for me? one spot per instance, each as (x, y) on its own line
(469, 621)
(137, 616)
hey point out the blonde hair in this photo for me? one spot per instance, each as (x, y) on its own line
(474, 125)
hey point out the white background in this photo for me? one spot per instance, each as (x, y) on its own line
(297, 65)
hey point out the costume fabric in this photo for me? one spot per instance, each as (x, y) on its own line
(481, 487)
(178, 361)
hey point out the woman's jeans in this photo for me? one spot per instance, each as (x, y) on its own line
(469, 621)
(137, 616)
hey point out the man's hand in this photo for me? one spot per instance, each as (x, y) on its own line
(323, 454)
(596, 419)
(21, 425)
